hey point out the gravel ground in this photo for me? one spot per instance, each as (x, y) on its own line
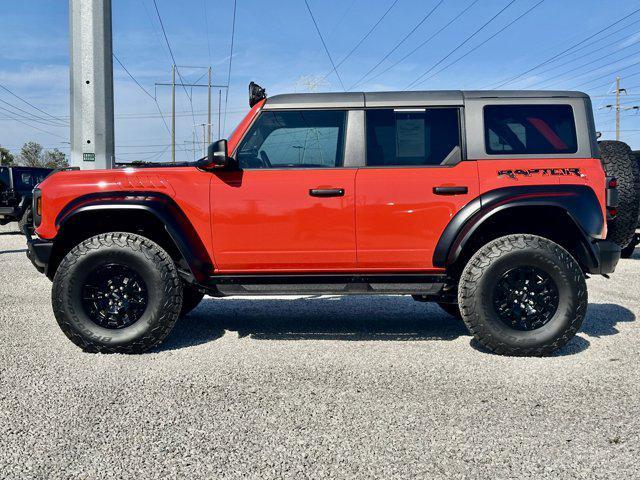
(329, 387)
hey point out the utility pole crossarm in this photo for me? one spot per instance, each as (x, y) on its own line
(160, 84)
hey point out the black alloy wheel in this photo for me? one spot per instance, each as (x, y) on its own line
(522, 295)
(526, 298)
(117, 292)
(114, 296)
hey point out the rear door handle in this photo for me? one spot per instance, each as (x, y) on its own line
(326, 192)
(450, 190)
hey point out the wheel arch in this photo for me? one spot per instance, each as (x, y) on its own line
(570, 215)
(153, 215)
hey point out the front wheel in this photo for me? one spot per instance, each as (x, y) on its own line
(522, 295)
(117, 293)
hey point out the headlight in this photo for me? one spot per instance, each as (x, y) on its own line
(37, 207)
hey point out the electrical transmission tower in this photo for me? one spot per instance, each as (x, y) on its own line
(173, 86)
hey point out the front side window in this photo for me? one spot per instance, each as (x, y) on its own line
(529, 129)
(412, 137)
(294, 139)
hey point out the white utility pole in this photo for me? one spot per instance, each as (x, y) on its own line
(91, 71)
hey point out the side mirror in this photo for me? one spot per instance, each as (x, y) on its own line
(217, 155)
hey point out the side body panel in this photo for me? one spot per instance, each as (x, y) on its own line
(400, 218)
(545, 171)
(186, 186)
(266, 220)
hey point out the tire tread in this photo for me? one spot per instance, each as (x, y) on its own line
(154, 254)
(477, 268)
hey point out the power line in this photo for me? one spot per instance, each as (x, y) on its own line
(484, 42)
(132, 77)
(226, 96)
(206, 23)
(393, 4)
(166, 39)
(344, 15)
(608, 83)
(324, 44)
(155, 100)
(397, 45)
(155, 30)
(37, 128)
(608, 74)
(484, 25)
(586, 64)
(425, 42)
(30, 104)
(31, 116)
(554, 57)
(146, 115)
(591, 52)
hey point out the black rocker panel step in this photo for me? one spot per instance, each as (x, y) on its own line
(320, 284)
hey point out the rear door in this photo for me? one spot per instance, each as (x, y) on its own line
(414, 182)
(291, 204)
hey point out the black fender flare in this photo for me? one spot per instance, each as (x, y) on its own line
(175, 222)
(579, 202)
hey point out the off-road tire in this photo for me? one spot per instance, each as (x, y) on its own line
(452, 309)
(481, 274)
(191, 298)
(149, 261)
(618, 161)
(26, 220)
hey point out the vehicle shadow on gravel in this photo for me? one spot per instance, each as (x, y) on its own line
(601, 320)
(345, 318)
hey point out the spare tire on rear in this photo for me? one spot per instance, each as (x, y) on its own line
(619, 162)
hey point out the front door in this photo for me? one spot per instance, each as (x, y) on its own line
(290, 206)
(412, 186)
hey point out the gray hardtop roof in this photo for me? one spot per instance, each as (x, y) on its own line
(402, 99)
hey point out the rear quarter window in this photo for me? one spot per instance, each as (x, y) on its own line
(529, 129)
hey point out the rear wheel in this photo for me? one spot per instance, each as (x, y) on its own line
(522, 295)
(117, 292)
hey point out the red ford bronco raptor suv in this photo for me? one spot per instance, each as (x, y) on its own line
(493, 204)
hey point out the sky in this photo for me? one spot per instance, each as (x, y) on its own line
(548, 44)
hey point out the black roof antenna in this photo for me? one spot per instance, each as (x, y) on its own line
(256, 93)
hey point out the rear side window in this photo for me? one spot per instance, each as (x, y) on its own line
(529, 129)
(294, 139)
(412, 137)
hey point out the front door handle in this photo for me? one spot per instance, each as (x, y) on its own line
(326, 192)
(450, 190)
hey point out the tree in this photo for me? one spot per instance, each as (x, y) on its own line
(6, 157)
(55, 159)
(32, 155)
